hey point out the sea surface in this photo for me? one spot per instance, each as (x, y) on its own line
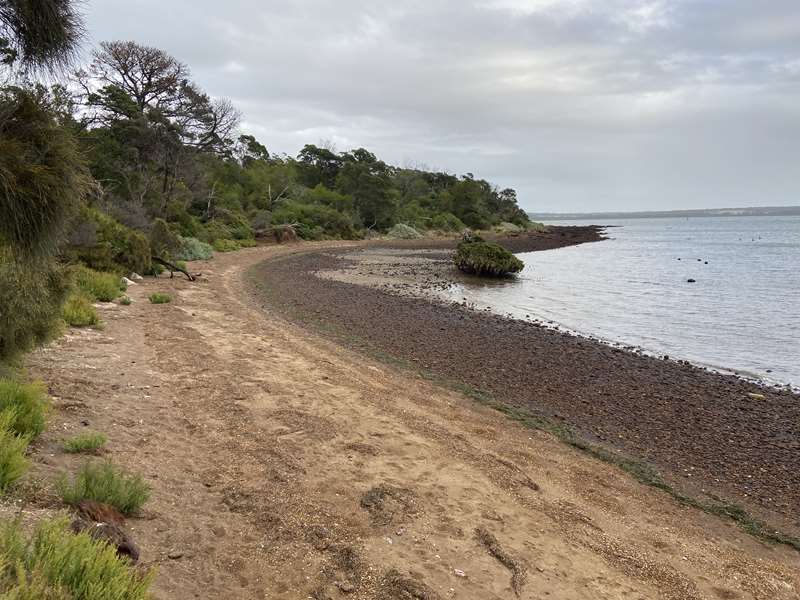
(742, 313)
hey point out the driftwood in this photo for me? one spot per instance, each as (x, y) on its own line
(172, 268)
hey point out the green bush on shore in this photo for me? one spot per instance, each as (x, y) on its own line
(106, 483)
(224, 245)
(193, 249)
(401, 231)
(56, 564)
(486, 259)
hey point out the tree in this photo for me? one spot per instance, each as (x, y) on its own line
(318, 165)
(367, 180)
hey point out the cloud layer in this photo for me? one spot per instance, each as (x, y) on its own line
(578, 104)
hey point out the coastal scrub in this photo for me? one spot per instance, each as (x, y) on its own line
(486, 259)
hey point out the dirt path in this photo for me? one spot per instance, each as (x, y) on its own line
(284, 466)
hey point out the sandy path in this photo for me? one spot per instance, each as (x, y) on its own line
(284, 466)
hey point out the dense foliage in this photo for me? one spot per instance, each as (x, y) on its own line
(486, 259)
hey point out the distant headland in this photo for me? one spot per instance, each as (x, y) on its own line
(758, 211)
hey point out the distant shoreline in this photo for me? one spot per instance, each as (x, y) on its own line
(763, 211)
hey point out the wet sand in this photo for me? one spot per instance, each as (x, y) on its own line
(703, 431)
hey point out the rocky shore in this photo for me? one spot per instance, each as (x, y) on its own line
(712, 434)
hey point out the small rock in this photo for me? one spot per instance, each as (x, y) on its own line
(459, 573)
(690, 281)
(756, 396)
(127, 281)
(136, 277)
(346, 587)
(175, 554)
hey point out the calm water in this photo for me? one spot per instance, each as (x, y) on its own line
(742, 314)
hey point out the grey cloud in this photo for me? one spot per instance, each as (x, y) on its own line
(579, 104)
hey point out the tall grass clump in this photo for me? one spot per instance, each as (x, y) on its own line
(27, 404)
(106, 483)
(85, 442)
(78, 311)
(13, 445)
(160, 298)
(56, 564)
(104, 287)
(223, 245)
(193, 249)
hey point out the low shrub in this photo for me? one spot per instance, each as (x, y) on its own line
(446, 222)
(13, 445)
(85, 442)
(160, 298)
(125, 301)
(402, 231)
(104, 482)
(79, 312)
(486, 259)
(247, 243)
(28, 403)
(56, 564)
(104, 287)
(193, 249)
(223, 245)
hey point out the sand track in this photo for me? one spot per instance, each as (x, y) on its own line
(271, 451)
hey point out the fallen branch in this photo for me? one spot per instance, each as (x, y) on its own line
(172, 268)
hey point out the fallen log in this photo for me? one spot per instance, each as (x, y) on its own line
(173, 268)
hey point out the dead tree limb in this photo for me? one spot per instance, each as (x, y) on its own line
(172, 268)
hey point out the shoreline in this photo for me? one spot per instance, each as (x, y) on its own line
(699, 428)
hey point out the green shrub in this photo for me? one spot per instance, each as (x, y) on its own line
(125, 301)
(226, 245)
(316, 221)
(85, 442)
(104, 482)
(486, 259)
(446, 222)
(79, 312)
(402, 231)
(104, 244)
(56, 564)
(160, 298)
(13, 445)
(104, 287)
(28, 402)
(31, 295)
(193, 249)
(247, 243)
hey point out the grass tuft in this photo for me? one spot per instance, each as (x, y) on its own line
(126, 301)
(160, 298)
(85, 442)
(224, 245)
(79, 312)
(13, 445)
(106, 483)
(104, 287)
(27, 403)
(56, 564)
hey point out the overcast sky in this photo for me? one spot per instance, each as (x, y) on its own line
(577, 104)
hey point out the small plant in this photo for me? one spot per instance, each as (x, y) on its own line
(26, 403)
(486, 259)
(104, 482)
(160, 298)
(78, 311)
(13, 463)
(224, 245)
(247, 243)
(401, 231)
(56, 564)
(85, 442)
(104, 287)
(125, 301)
